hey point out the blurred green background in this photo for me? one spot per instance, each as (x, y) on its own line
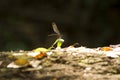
(26, 24)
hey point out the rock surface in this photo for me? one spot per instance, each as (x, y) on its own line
(65, 64)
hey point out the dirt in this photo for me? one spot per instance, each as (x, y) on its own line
(63, 66)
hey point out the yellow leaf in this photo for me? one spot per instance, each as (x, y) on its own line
(40, 50)
(41, 55)
(106, 49)
(21, 62)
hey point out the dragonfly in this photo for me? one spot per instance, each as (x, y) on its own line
(59, 41)
(56, 30)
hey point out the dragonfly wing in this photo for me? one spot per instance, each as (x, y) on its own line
(55, 28)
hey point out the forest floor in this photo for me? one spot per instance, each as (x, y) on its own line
(69, 63)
